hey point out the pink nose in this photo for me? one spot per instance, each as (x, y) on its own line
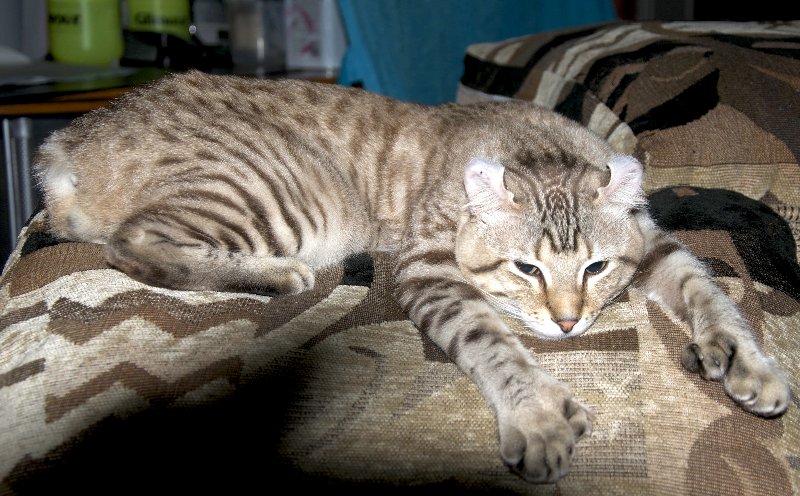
(566, 325)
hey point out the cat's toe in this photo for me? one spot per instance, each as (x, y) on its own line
(759, 387)
(538, 443)
(540, 455)
(710, 356)
(750, 378)
(275, 278)
(298, 280)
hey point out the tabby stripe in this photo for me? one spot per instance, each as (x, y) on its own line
(656, 255)
(535, 194)
(356, 141)
(230, 106)
(577, 183)
(448, 225)
(262, 222)
(188, 174)
(288, 218)
(431, 225)
(212, 197)
(254, 149)
(321, 210)
(318, 181)
(190, 107)
(340, 109)
(477, 334)
(255, 124)
(170, 240)
(450, 312)
(169, 160)
(383, 158)
(193, 82)
(205, 104)
(289, 196)
(427, 318)
(360, 182)
(327, 147)
(233, 227)
(304, 200)
(427, 299)
(224, 146)
(183, 223)
(422, 284)
(521, 393)
(435, 257)
(453, 349)
(252, 119)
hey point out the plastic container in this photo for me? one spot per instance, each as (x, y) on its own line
(257, 36)
(160, 16)
(84, 31)
(315, 38)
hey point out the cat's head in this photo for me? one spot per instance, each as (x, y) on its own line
(551, 246)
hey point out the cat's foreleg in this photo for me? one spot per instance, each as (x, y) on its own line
(538, 418)
(723, 346)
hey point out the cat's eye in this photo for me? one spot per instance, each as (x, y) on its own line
(526, 268)
(596, 268)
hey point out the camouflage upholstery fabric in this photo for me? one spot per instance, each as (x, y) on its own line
(111, 386)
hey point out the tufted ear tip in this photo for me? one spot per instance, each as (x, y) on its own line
(625, 184)
(483, 182)
(487, 195)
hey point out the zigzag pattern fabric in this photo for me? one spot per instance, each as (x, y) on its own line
(104, 378)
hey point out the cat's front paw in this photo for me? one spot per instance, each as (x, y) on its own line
(537, 439)
(750, 378)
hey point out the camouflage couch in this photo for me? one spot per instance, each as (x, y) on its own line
(110, 386)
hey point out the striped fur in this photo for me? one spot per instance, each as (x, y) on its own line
(224, 183)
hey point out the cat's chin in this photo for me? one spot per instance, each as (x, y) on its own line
(557, 335)
(554, 337)
(554, 332)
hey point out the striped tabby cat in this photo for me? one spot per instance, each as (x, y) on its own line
(231, 184)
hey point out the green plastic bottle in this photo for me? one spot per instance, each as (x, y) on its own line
(85, 31)
(160, 16)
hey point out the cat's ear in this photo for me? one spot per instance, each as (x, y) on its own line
(625, 185)
(486, 190)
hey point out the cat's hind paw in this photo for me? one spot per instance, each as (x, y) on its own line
(750, 378)
(537, 442)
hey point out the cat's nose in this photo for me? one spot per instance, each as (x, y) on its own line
(566, 325)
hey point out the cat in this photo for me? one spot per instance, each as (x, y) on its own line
(234, 184)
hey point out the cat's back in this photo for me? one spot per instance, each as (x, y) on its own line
(194, 126)
(243, 136)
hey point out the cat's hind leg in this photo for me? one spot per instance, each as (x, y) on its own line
(160, 255)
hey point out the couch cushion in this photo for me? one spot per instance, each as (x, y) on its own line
(109, 385)
(707, 104)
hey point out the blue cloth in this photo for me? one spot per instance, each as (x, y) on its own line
(414, 49)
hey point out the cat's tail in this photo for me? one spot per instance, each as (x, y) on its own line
(58, 182)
